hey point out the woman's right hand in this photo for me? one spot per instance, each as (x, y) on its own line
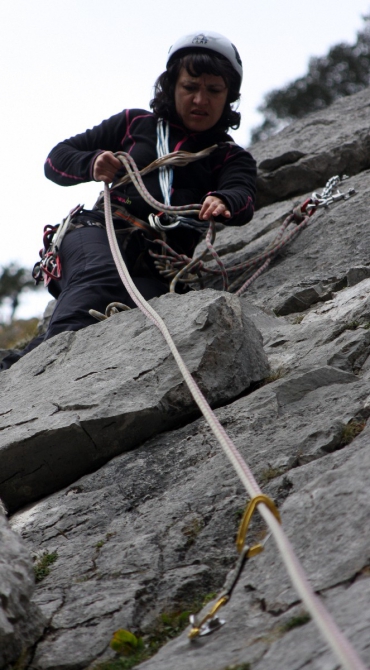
(106, 166)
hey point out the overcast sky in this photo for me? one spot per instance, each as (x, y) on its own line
(68, 64)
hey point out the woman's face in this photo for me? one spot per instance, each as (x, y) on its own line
(200, 101)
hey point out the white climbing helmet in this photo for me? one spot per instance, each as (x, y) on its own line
(211, 42)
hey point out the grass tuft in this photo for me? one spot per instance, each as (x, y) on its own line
(42, 565)
(350, 431)
(275, 374)
(352, 325)
(295, 622)
(270, 473)
(133, 649)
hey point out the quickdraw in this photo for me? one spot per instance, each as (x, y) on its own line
(238, 278)
(324, 199)
(343, 650)
(211, 622)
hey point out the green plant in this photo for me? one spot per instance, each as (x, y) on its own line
(239, 514)
(352, 325)
(295, 622)
(344, 70)
(207, 598)
(270, 473)
(126, 643)
(133, 649)
(99, 544)
(138, 649)
(350, 431)
(166, 627)
(120, 663)
(42, 565)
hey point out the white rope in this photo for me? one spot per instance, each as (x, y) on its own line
(163, 149)
(341, 647)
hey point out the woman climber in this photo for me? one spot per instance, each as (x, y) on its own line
(191, 111)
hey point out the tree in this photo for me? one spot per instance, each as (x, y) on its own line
(14, 280)
(344, 71)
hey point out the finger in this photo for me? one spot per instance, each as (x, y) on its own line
(202, 211)
(221, 210)
(104, 175)
(112, 162)
(105, 167)
(214, 209)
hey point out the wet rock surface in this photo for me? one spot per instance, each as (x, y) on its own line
(152, 531)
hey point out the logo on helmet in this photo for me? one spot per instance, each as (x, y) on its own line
(239, 60)
(200, 39)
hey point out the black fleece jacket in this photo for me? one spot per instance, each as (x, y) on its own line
(229, 172)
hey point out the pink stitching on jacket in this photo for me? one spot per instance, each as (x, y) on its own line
(129, 123)
(248, 203)
(63, 174)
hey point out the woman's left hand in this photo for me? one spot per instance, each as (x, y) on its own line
(213, 206)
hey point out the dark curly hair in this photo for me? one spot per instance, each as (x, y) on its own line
(198, 62)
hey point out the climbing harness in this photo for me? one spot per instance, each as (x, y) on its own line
(345, 653)
(49, 267)
(176, 267)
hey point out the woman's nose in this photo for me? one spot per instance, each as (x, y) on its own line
(200, 97)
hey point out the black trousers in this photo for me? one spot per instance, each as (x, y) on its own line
(90, 280)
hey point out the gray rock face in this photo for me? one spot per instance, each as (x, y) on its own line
(21, 622)
(306, 154)
(152, 530)
(45, 320)
(99, 400)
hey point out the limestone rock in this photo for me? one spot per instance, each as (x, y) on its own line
(107, 388)
(264, 599)
(21, 622)
(152, 530)
(316, 263)
(45, 320)
(307, 153)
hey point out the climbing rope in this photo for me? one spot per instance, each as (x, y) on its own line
(338, 643)
(248, 271)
